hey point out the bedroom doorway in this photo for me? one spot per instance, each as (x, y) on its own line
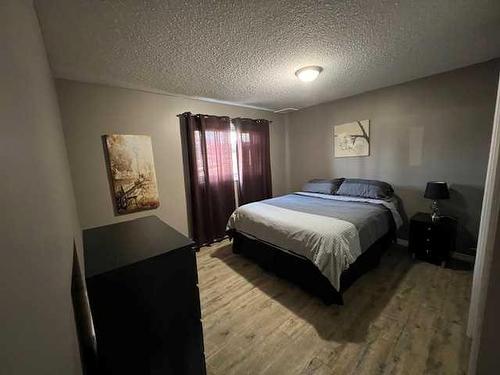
(486, 280)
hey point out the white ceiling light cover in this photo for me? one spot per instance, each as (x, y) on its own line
(308, 73)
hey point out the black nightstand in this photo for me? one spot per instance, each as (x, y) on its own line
(432, 241)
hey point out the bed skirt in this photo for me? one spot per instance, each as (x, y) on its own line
(302, 271)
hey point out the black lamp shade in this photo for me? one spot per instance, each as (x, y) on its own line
(437, 190)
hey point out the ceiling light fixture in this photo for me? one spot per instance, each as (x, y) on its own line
(308, 73)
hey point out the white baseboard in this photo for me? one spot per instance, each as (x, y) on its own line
(402, 242)
(455, 255)
(463, 257)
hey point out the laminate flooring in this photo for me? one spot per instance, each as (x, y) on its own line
(404, 317)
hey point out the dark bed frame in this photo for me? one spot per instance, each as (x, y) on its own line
(303, 272)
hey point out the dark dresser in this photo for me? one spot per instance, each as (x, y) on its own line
(432, 241)
(142, 286)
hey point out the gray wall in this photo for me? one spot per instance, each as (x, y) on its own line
(90, 111)
(453, 111)
(38, 218)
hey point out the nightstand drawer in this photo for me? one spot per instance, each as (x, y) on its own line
(431, 241)
(421, 236)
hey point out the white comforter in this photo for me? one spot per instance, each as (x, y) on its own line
(330, 243)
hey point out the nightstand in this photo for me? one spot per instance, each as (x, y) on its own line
(432, 241)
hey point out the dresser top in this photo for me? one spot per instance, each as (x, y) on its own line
(118, 245)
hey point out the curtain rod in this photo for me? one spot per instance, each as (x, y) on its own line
(200, 114)
(236, 118)
(251, 119)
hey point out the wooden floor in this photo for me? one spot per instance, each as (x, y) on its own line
(405, 317)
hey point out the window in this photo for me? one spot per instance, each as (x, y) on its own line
(234, 151)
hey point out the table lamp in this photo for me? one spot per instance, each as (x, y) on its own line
(436, 191)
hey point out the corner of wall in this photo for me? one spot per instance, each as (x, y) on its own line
(288, 169)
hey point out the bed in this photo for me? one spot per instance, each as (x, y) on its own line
(323, 242)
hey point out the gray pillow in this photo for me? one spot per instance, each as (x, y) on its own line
(373, 189)
(323, 186)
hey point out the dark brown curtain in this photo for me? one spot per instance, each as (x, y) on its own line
(254, 161)
(208, 144)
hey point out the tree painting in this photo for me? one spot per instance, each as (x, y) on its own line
(132, 172)
(352, 139)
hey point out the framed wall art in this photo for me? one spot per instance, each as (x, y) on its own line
(132, 172)
(352, 139)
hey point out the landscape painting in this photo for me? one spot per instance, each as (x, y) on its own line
(132, 172)
(352, 139)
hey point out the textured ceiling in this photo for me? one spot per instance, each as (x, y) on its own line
(246, 52)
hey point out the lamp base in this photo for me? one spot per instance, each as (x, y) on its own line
(435, 215)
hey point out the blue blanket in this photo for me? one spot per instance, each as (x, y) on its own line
(371, 220)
